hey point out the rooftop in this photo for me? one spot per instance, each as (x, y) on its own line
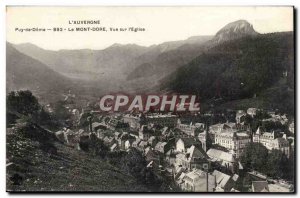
(221, 155)
(260, 186)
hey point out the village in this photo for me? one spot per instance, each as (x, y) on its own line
(193, 152)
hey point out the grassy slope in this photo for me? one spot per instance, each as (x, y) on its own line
(69, 170)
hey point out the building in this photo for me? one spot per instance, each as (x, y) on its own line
(203, 139)
(226, 160)
(252, 111)
(263, 137)
(122, 139)
(260, 186)
(281, 144)
(194, 157)
(189, 129)
(145, 133)
(221, 128)
(117, 135)
(135, 143)
(170, 157)
(114, 147)
(277, 118)
(132, 120)
(292, 127)
(112, 124)
(240, 115)
(223, 181)
(142, 145)
(235, 142)
(292, 143)
(96, 126)
(162, 147)
(182, 144)
(168, 120)
(197, 181)
(270, 141)
(152, 141)
(128, 143)
(109, 140)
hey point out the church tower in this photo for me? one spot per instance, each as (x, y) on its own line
(203, 138)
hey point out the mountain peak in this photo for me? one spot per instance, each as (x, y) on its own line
(235, 30)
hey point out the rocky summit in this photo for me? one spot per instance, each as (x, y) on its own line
(234, 30)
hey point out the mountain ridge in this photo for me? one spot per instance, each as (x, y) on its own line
(24, 72)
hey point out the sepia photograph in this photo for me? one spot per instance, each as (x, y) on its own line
(168, 99)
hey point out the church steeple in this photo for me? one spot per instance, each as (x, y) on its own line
(203, 138)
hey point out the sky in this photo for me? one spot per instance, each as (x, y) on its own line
(161, 24)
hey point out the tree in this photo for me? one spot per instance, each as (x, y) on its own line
(134, 163)
(254, 157)
(270, 125)
(277, 164)
(260, 115)
(98, 147)
(22, 102)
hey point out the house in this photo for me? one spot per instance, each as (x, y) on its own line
(260, 186)
(117, 135)
(194, 157)
(128, 143)
(179, 179)
(281, 144)
(97, 125)
(178, 170)
(223, 181)
(292, 142)
(182, 144)
(164, 131)
(252, 111)
(142, 145)
(145, 133)
(136, 143)
(152, 141)
(170, 157)
(114, 147)
(162, 147)
(61, 136)
(224, 159)
(109, 140)
(71, 137)
(292, 127)
(122, 140)
(197, 181)
(235, 177)
(240, 115)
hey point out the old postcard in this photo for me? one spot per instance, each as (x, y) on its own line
(150, 99)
